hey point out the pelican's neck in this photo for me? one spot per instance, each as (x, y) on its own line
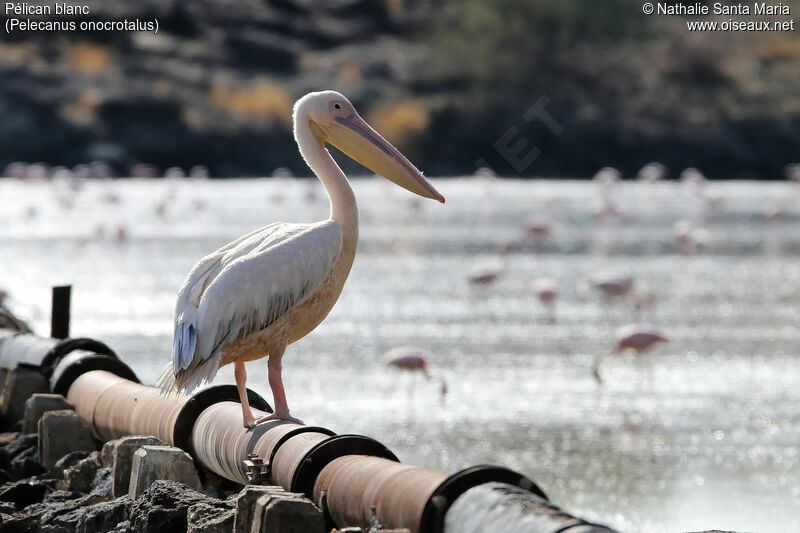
(343, 202)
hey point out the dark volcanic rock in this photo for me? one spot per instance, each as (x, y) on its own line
(103, 482)
(22, 443)
(23, 493)
(26, 464)
(122, 527)
(71, 459)
(52, 516)
(61, 517)
(104, 516)
(165, 505)
(5, 458)
(211, 518)
(80, 477)
(62, 496)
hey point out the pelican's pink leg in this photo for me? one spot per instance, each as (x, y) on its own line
(278, 394)
(248, 420)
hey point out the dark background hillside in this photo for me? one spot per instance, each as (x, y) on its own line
(443, 80)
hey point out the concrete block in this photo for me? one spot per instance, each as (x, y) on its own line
(287, 513)
(151, 463)
(39, 404)
(62, 432)
(246, 502)
(107, 453)
(123, 459)
(22, 382)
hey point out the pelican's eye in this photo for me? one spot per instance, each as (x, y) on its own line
(337, 106)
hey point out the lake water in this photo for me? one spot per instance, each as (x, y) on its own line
(713, 442)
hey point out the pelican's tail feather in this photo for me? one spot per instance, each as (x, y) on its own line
(166, 382)
(187, 380)
(183, 345)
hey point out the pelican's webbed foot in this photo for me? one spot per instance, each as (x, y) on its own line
(279, 415)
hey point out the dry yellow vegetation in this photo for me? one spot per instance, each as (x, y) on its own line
(261, 99)
(402, 122)
(89, 58)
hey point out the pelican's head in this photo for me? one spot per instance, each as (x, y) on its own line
(334, 120)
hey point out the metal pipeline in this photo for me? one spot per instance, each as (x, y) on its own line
(221, 443)
(500, 507)
(402, 495)
(354, 478)
(290, 456)
(44, 352)
(116, 407)
(348, 474)
(352, 484)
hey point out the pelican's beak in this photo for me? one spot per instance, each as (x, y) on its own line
(358, 140)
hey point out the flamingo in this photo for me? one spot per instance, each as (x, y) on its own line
(637, 337)
(607, 176)
(489, 274)
(613, 284)
(793, 172)
(271, 287)
(539, 229)
(694, 177)
(652, 172)
(546, 289)
(412, 359)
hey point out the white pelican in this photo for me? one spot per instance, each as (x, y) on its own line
(269, 288)
(637, 337)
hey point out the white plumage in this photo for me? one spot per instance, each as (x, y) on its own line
(242, 288)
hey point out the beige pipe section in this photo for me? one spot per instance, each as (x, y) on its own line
(291, 454)
(117, 407)
(220, 442)
(399, 492)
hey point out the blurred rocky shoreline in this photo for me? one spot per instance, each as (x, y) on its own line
(215, 86)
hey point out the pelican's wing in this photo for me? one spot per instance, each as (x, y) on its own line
(251, 284)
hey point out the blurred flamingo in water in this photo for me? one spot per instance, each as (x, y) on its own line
(412, 359)
(652, 172)
(793, 172)
(613, 284)
(637, 337)
(489, 274)
(546, 289)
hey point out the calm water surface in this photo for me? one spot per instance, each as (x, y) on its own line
(712, 442)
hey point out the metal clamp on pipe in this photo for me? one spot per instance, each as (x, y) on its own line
(79, 362)
(270, 443)
(220, 442)
(297, 465)
(202, 400)
(450, 489)
(495, 506)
